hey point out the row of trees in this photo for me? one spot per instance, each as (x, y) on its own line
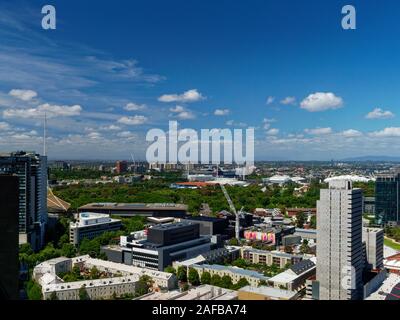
(268, 271)
(192, 276)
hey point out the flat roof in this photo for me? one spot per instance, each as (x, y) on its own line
(205, 218)
(244, 272)
(134, 206)
(269, 292)
(306, 230)
(122, 267)
(90, 283)
(172, 226)
(192, 294)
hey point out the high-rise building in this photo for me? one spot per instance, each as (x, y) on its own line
(31, 170)
(9, 264)
(121, 167)
(373, 239)
(387, 198)
(339, 242)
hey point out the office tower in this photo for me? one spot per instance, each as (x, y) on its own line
(387, 193)
(339, 242)
(31, 170)
(373, 239)
(9, 264)
(121, 167)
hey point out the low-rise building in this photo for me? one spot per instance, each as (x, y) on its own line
(216, 256)
(161, 279)
(120, 278)
(203, 292)
(267, 234)
(266, 293)
(392, 263)
(90, 225)
(52, 267)
(96, 289)
(294, 278)
(306, 234)
(254, 278)
(387, 291)
(269, 258)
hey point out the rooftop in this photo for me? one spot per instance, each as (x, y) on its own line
(203, 291)
(89, 283)
(172, 226)
(243, 272)
(302, 266)
(135, 206)
(387, 288)
(270, 292)
(122, 267)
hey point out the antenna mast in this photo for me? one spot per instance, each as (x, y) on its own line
(44, 134)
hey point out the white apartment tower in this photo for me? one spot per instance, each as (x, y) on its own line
(339, 242)
(374, 240)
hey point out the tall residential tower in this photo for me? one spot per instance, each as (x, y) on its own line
(339, 242)
(31, 170)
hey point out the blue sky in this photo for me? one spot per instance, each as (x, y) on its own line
(115, 69)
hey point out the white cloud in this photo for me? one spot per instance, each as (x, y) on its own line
(351, 133)
(186, 115)
(221, 112)
(177, 109)
(272, 132)
(270, 100)
(24, 95)
(62, 111)
(188, 96)
(111, 127)
(387, 132)
(134, 121)
(318, 131)
(134, 107)
(182, 113)
(267, 123)
(378, 113)
(321, 101)
(94, 135)
(126, 134)
(4, 126)
(51, 111)
(289, 101)
(233, 123)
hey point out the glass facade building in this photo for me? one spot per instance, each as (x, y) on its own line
(387, 193)
(31, 170)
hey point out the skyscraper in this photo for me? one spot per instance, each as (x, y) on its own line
(31, 170)
(9, 264)
(387, 198)
(339, 242)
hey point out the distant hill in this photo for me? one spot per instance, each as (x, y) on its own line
(373, 158)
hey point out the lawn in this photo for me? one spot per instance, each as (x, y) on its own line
(392, 244)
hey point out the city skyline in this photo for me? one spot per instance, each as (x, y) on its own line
(109, 74)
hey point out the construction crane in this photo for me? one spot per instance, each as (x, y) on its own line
(233, 209)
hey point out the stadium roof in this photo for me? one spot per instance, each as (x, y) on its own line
(351, 178)
(55, 204)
